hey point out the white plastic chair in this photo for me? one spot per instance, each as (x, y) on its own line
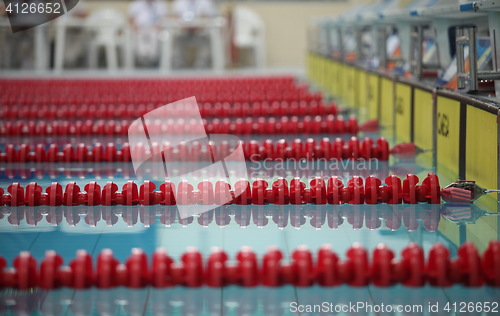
(249, 32)
(111, 31)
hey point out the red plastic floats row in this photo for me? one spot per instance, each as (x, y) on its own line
(132, 111)
(155, 91)
(254, 151)
(302, 270)
(332, 191)
(329, 124)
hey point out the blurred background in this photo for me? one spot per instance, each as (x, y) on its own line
(167, 35)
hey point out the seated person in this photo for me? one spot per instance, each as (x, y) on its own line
(192, 38)
(145, 17)
(76, 38)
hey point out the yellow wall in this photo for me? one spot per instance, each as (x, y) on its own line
(362, 92)
(481, 163)
(387, 102)
(448, 136)
(373, 91)
(286, 25)
(423, 119)
(423, 129)
(403, 112)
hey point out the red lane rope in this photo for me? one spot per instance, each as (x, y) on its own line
(112, 92)
(132, 111)
(303, 270)
(329, 124)
(259, 192)
(254, 151)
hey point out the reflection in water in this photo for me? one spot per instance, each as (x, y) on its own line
(232, 300)
(261, 169)
(392, 217)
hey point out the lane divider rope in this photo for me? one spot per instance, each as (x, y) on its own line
(302, 270)
(260, 192)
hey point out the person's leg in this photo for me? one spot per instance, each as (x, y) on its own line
(180, 46)
(147, 46)
(75, 47)
(203, 52)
